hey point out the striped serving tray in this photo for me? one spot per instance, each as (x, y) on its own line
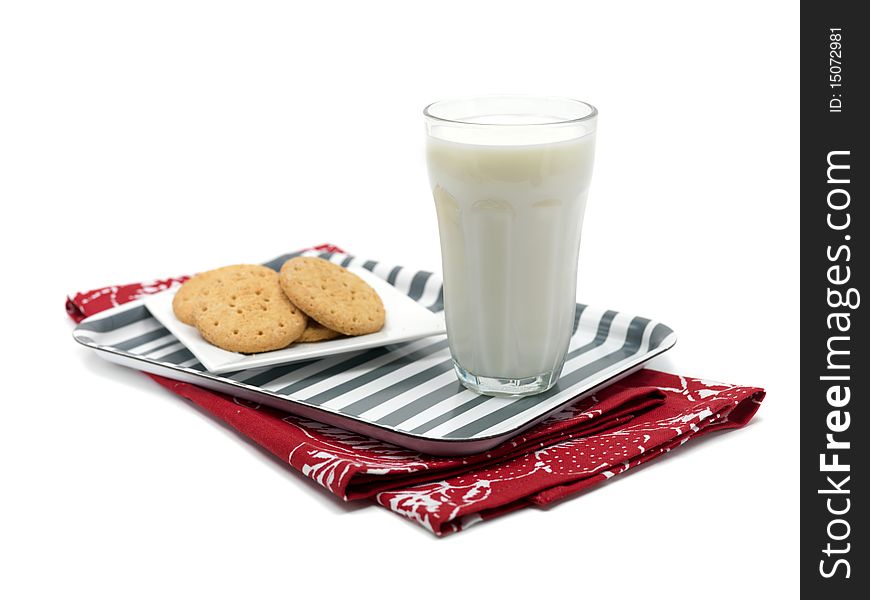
(407, 393)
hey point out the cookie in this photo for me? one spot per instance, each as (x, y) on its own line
(315, 332)
(249, 315)
(186, 298)
(332, 295)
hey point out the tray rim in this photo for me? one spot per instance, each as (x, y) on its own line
(422, 443)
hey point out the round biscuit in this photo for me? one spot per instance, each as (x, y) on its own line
(249, 316)
(315, 332)
(185, 300)
(332, 295)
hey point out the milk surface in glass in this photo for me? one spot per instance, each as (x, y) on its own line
(510, 193)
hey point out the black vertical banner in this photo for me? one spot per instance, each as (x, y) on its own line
(835, 362)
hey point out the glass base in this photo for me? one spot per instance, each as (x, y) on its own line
(505, 387)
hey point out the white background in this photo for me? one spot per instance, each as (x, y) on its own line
(139, 140)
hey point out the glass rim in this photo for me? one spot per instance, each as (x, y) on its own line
(593, 112)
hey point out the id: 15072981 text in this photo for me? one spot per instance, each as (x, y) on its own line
(835, 69)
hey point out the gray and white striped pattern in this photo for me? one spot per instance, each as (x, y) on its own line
(409, 388)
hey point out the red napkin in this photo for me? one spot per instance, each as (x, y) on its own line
(635, 420)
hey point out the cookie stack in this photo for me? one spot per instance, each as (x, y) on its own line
(251, 308)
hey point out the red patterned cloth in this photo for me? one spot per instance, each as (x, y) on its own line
(635, 420)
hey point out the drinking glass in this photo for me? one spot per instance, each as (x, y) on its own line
(510, 176)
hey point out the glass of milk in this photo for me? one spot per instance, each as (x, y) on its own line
(510, 176)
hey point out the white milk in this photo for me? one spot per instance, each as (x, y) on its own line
(510, 216)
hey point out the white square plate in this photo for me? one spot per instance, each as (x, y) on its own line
(405, 320)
